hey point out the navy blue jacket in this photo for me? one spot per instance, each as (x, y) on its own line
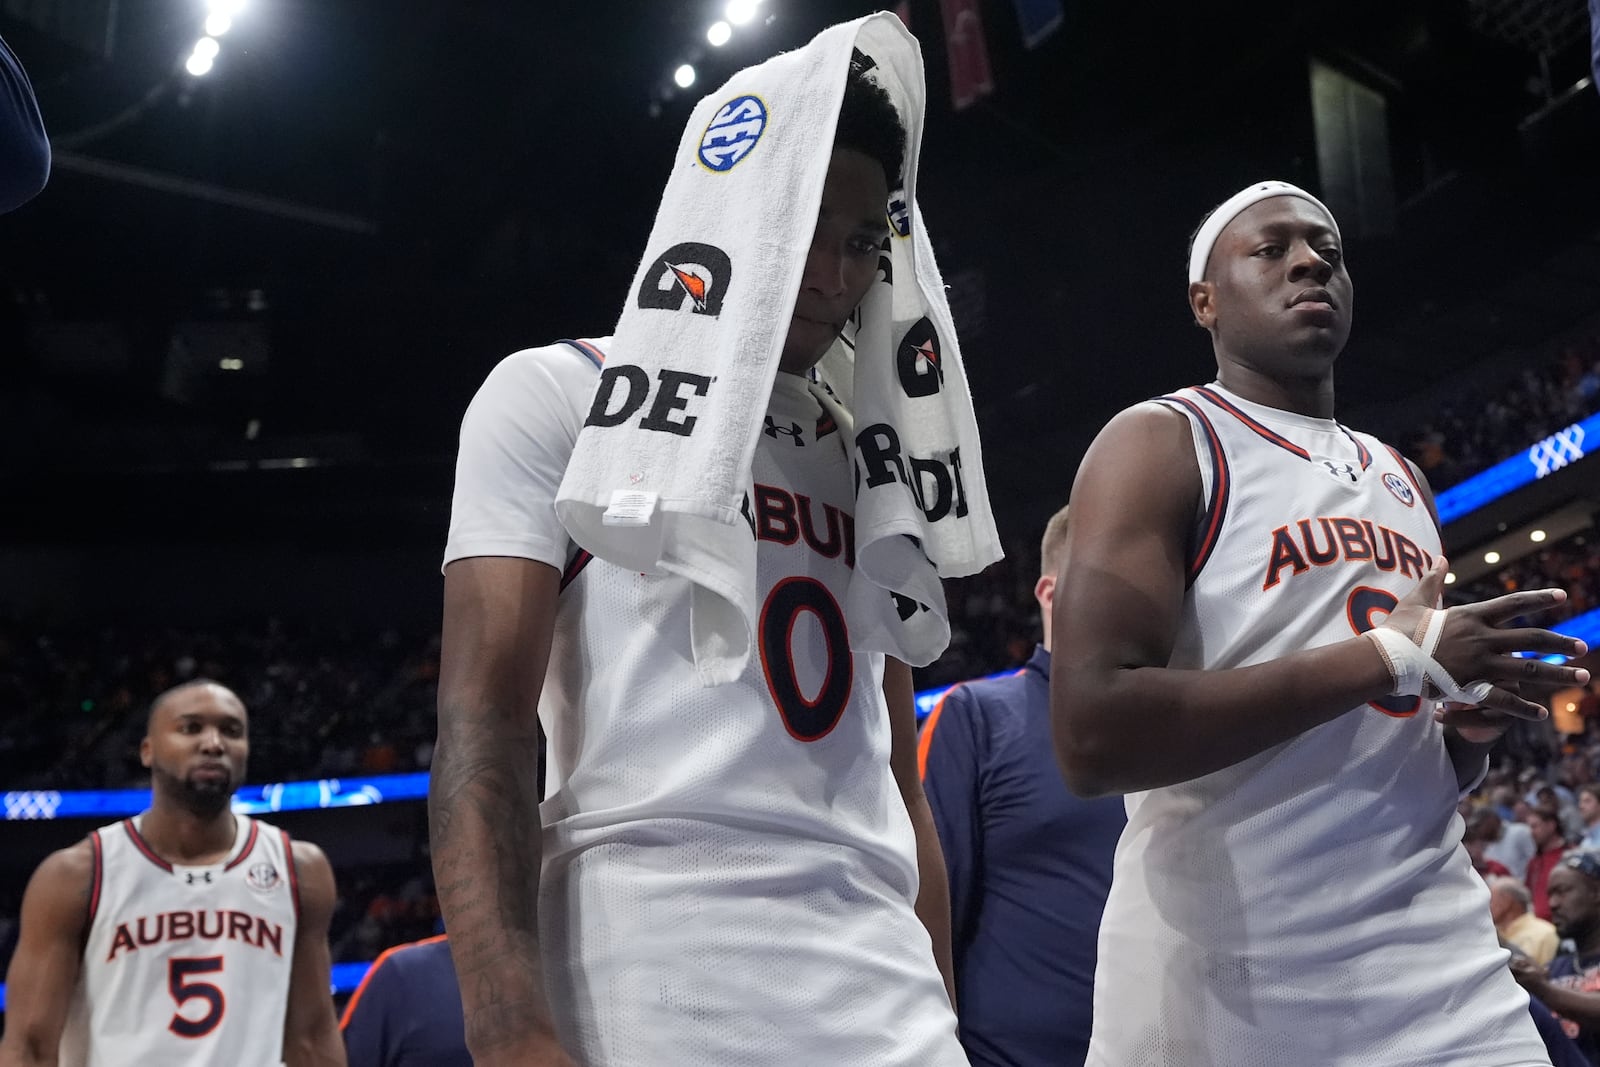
(1029, 866)
(407, 1011)
(24, 148)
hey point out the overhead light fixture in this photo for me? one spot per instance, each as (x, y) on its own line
(718, 34)
(207, 48)
(229, 8)
(1450, 578)
(740, 12)
(1536, 536)
(218, 23)
(199, 65)
(1491, 557)
(684, 76)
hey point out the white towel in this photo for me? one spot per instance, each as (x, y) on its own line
(662, 465)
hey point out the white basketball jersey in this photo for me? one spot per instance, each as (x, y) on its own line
(729, 872)
(185, 965)
(1311, 904)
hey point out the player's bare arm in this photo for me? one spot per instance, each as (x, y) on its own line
(933, 887)
(44, 968)
(1124, 721)
(483, 803)
(310, 1029)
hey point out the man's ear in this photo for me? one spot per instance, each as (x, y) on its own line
(1203, 304)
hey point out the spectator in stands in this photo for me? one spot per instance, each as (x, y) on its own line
(1509, 843)
(1029, 862)
(1482, 826)
(1571, 985)
(1589, 811)
(407, 1010)
(1510, 905)
(1545, 826)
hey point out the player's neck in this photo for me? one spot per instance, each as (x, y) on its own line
(188, 838)
(1303, 396)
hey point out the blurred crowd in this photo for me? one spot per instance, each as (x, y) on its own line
(324, 700)
(1471, 433)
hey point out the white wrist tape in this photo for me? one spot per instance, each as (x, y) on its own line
(1413, 668)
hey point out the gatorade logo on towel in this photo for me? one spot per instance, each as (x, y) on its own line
(732, 133)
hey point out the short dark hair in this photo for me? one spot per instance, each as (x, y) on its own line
(869, 123)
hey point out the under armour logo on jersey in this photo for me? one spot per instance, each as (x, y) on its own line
(1342, 471)
(203, 876)
(773, 430)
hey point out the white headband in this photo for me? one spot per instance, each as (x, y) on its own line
(1231, 208)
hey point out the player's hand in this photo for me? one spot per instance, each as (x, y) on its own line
(1476, 645)
(1529, 975)
(1474, 723)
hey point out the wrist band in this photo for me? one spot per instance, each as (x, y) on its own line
(1414, 670)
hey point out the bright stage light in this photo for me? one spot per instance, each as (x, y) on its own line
(718, 34)
(206, 48)
(218, 23)
(740, 12)
(1491, 557)
(684, 76)
(229, 8)
(198, 65)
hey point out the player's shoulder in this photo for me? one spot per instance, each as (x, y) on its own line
(72, 867)
(551, 378)
(1155, 421)
(64, 888)
(578, 359)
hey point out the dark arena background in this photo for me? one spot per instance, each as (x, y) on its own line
(240, 326)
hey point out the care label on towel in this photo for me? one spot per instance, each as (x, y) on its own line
(630, 507)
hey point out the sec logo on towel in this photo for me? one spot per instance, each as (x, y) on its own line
(732, 133)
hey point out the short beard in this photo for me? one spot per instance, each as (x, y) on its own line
(207, 798)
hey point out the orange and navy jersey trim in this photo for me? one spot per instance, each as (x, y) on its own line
(143, 846)
(1265, 432)
(925, 739)
(595, 356)
(383, 957)
(294, 873)
(249, 846)
(1221, 483)
(1272, 435)
(576, 561)
(99, 879)
(1361, 449)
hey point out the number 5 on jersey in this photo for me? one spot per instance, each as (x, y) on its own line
(183, 991)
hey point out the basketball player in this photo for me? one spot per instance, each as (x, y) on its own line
(737, 897)
(184, 935)
(1246, 627)
(24, 148)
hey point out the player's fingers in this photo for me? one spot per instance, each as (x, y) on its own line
(1511, 704)
(1530, 673)
(1505, 608)
(1427, 591)
(1539, 642)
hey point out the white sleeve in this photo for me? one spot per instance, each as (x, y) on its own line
(516, 439)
